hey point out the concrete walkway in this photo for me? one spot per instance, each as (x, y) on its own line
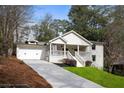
(59, 77)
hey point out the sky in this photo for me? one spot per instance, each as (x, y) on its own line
(57, 11)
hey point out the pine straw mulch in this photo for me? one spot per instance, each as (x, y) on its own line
(14, 72)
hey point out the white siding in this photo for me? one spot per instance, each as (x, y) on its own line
(78, 64)
(89, 48)
(29, 53)
(58, 41)
(56, 59)
(99, 56)
(73, 39)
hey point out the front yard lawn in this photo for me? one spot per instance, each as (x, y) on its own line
(101, 77)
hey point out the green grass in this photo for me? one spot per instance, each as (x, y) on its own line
(101, 77)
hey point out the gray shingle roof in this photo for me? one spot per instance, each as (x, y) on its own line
(96, 42)
(29, 46)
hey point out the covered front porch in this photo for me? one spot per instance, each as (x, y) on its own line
(61, 49)
(58, 52)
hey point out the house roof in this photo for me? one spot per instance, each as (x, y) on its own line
(61, 37)
(32, 40)
(41, 43)
(97, 43)
(29, 46)
(118, 63)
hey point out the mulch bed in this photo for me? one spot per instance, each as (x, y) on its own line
(14, 73)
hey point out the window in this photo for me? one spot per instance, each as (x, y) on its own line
(75, 49)
(32, 41)
(94, 57)
(66, 49)
(26, 42)
(93, 47)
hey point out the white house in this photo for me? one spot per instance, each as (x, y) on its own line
(70, 45)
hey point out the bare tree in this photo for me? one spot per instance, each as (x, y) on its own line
(24, 33)
(11, 18)
(114, 37)
(45, 29)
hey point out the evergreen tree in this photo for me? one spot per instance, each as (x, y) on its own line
(88, 21)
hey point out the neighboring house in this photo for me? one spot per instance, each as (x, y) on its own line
(31, 42)
(70, 45)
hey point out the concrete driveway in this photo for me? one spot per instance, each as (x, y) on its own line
(59, 77)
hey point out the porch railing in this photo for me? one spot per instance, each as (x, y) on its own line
(57, 53)
(86, 55)
(80, 59)
(70, 56)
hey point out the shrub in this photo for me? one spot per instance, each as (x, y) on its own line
(70, 62)
(88, 63)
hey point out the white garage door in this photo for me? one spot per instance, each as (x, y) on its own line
(29, 54)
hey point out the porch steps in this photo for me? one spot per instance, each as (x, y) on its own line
(77, 58)
(80, 59)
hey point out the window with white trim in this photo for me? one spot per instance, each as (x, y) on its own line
(93, 47)
(93, 57)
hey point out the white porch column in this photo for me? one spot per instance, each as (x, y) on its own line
(50, 53)
(64, 50)
(78, 50)
(50, 49)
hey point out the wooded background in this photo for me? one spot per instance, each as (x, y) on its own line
(96, 23)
